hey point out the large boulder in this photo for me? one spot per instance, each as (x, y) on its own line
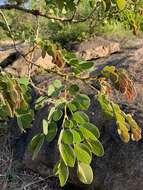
(95, 48)
(13, 61)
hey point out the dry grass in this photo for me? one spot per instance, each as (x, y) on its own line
(14, 178)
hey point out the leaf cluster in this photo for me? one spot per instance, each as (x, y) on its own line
(14, 100)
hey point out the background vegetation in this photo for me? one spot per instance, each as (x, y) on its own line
(107, 23)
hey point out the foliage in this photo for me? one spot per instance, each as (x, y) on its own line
(102, 22)
(14, 100)
(68, 32)
(78, 138)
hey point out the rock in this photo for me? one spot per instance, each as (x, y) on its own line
(96, 48)
(14, 63)
(46, 62)
(8, 44)
(21, 67)
(7, 51)
(132, 43)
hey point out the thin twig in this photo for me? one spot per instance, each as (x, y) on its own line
(35, 182)
(30, 66)
(75, 10)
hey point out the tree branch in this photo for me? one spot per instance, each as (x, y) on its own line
(37, 12)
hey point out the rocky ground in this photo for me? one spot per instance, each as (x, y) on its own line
(122, 166)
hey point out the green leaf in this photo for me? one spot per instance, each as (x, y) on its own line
(72, 107)
(49, 48)
(73, 89)
(51, 90)
(57, 115)
(80, 117)
(63, 172)
(123, 129)
(34, 141)
(39, 145)
(76, 136)
(105, 105)
(86, 148)
(52, 110)
(57, 92)
(60, 136)
(67, 154)
(87, 133)
(52, 131)
(68, 124)
(85, 65)
(109, 69)
(56, 168)
(24, 120)
(24, 81)
(60, 102)
(40, 102)
(73, 62)
(68, 56)
(76, 70)
(57, 83)
(67, 137)
(83, 101)
(110, 73)
(96, 147)
(85, 173)
(121, 4)
(45, 127)
(92, 128)
(82, 155)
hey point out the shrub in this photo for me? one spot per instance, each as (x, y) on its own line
(78, 138)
